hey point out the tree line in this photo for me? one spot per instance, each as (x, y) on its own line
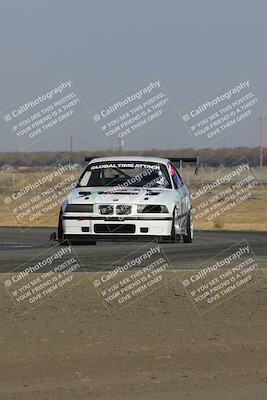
(208, 156)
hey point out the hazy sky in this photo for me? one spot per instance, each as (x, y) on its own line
(107, 46)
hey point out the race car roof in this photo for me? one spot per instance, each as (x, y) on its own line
(128, 158)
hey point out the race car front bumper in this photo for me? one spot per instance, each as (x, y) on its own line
(116, 227)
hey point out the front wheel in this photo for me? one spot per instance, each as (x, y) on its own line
(188, 238)
(174, 236)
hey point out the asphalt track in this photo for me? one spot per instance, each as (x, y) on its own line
(17, 247)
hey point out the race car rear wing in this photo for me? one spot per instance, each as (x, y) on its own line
(181, 160)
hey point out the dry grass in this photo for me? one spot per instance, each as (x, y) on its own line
(252, 215)
(10, 183)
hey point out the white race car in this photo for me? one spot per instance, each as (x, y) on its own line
(128, 198)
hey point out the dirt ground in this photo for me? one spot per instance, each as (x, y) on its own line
(158, 348)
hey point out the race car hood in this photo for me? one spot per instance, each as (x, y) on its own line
(104, 195)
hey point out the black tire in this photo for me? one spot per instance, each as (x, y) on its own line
(174, 237)
(60, 228)
(188, 238)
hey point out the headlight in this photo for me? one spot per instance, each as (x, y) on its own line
(152, 208)
(83, 208)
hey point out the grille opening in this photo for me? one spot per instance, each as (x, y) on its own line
(144, 230)
(123, 209)
(106, 209)
(85, 229)
(84, 193)
(114, 228)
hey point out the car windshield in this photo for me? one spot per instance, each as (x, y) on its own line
(126, 174)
